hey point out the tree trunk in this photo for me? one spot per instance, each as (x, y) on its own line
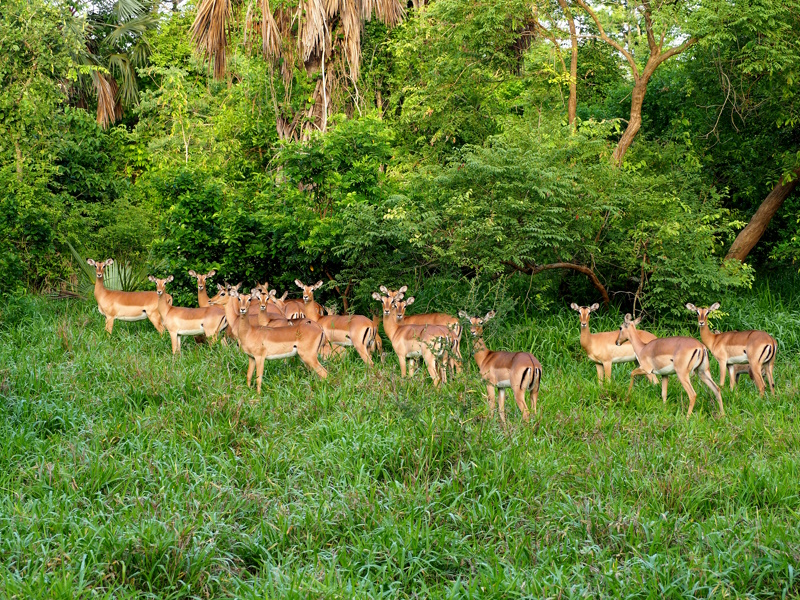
(533, 269)
(634, 122)
(18, 153)
(749, 236)
(572, 107)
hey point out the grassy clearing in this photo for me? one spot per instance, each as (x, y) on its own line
(127, 473)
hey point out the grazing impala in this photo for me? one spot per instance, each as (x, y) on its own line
(264, 343)
(179, 320)
(296, 309)
(202, 293)
(757, 349)
(665, 356)
(520, 371)
(414, 341)
(454, 359)
(349, 330)
(602, 348)
(125, 306)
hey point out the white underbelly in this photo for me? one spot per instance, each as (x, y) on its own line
(140, 317)
(415, 354)
(286, 355)
(738, 360)
(668, 370)
(346, 342)
(200, 331)
(504, 383)
(623, 359)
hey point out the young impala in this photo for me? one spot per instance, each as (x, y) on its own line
(519, 371)
(202, 293)
(125, 306)
(454, 359)
(414, 341)
(665, 356)
(757, 349)
(602, 348)
(178, 320)
(264, 343)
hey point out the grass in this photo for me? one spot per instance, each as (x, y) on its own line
(125, 472)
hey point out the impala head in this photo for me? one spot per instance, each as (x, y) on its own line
(308, 290)
(625, 329)
(264, 297)
(385, 301)
(243, 299)
(201, 278)
(400, 307)
(99, 266)
(330, 310)
(222, 297)
(476, 323)
(702, 313)
(585, 311)
(161, 284)
(396, 295)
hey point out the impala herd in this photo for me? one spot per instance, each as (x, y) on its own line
(267, 327)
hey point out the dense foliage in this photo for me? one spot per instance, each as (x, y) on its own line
(449, 156)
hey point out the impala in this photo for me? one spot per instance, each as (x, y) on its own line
(414, 341)
(665, 356)
(302, 308)
(178, 320)
(202, 294)
(452, 323)
(602, 348)
(757, 349)
(268, 314)
(349, 330)
(125, 306)
(264, 343)
(520, 371)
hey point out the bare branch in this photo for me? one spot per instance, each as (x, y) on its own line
(628, 56)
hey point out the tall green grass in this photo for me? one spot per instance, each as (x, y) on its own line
(125, 472)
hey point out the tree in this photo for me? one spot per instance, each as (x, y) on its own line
(323, 39)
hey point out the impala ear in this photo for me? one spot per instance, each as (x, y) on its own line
(574, 306)
(192, 273)
(108, 262)
(691, 307)
(377, 296)
(713, 307)
(272, 293)
(410, 301)
(91, 261)
(594, 306)
(402, 289)
(211, 273)
(168, 279)
(220, 287)
(299, 284)
(153, 279)
(384, 289)
(317, 285)
(628, 318)
(489, 315)
(638, 320)
(463, 315)
(284, 295)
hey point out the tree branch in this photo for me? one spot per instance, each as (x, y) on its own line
(628, 56)
(648, 25)
(534, 269)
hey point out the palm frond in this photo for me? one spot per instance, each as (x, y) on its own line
(120, 65)
(314, 29)
(106, 91)
(211, 32)
(132, 28)
(123, 10)
(352, 24)
(270, 33)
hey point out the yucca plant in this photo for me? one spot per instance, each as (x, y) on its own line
(121, 275)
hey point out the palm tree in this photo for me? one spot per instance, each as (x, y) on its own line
(321, 36)
(115, 46)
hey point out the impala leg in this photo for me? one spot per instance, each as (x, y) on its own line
(705, 377)
(155, 319)
(430, 362)
(607, 370)
(519, 398)
(251, 366)
(259, 373)
(687, 385)
(490, 394)
(600, 372)
(364, 354)
(501, 405)
(311, 361)
(176, 347)
(634, 373)
(110, 324)
(664, 386)
(534, 398)
(402, 358)
(755, 373)
(731, 376)
(723, 367)
(768, 369)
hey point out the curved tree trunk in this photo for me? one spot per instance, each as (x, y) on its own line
(634, 122)
(572, 107)
(749, 236)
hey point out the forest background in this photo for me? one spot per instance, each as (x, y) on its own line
(601, 150)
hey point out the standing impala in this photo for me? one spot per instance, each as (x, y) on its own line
(520, 371)
(264, 343)
(665, 356)
(414, 341)
(202, 293)
(179, 320)
(349, 330)
(754, 348)
(296, 309)
(454, 360)
(602, 348)
(125, 306)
